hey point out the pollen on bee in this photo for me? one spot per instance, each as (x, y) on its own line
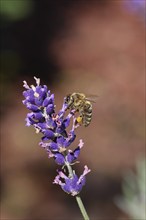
(79, 119)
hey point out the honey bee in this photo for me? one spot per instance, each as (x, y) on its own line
(80, 103)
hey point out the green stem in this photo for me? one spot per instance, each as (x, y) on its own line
(69, 170)
(78, 198)
(82, 208)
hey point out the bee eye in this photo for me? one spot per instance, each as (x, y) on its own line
(67, 99)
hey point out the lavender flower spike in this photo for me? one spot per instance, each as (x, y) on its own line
(58, 133)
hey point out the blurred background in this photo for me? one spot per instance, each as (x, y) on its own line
(94, 47)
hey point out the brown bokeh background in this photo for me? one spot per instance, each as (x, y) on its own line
(85, 46)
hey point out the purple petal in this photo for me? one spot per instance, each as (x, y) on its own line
(49, 134)
(47, 101)
(66, 123)
(59, 159)
(52, 98)
(50, 109)
(42, 125)
(32, 107)
(38, 102)
(71, 185)
(51, 123)
(29, 119)
(82, 177)
(38, 116)
(53, 146)
(72, 156)
(60, 141)
(76, 152)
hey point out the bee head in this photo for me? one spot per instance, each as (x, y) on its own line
(68, 100)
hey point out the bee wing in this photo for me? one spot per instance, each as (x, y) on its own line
(92, 98)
